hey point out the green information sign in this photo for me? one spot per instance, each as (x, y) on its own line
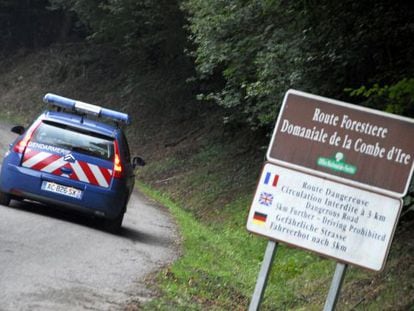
(337, 164)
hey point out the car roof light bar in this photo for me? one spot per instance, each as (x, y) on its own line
(81, 107)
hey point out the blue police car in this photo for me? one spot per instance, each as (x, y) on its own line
(70, 158)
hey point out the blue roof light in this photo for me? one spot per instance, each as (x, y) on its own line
(78, 106)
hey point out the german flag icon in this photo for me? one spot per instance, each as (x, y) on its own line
(259, 218)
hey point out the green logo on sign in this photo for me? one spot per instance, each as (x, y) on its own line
(337, 164)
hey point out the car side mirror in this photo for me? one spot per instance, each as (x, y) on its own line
(138, 161)
(18, 129)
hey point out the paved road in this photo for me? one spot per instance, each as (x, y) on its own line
(52, 259)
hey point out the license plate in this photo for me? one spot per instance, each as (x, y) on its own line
(65, 190)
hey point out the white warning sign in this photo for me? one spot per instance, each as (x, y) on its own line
(339, 221)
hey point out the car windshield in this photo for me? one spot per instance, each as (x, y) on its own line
(73, 139)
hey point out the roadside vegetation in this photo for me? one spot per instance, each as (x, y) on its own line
(202, 120)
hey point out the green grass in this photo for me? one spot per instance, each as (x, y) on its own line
(209, 192)
(220, 263)
(9, 118)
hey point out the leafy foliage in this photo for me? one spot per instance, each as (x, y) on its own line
(246, 53)
(27, 24)
(237, 42)
(261, 48)
(397, 98)
(144, 27)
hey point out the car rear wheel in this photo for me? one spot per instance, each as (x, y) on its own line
(115, 224)
(5, 198)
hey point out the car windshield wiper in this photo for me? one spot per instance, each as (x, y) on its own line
(83, 150)
(64, 146)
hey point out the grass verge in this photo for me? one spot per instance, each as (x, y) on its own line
(220, 262)
(219, 266)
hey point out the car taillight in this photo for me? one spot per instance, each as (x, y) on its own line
(21, 145)
(118, 167)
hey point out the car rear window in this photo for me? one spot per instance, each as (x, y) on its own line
(66, 137)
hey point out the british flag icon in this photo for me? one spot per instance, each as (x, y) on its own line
(266, 199)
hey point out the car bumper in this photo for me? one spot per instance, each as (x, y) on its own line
(26, 183)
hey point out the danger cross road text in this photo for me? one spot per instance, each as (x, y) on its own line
(326, 217)
(333, 219)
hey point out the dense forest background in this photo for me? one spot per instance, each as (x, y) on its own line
(203, 82)
(245, 54)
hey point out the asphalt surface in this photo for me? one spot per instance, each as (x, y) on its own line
(54, 259)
